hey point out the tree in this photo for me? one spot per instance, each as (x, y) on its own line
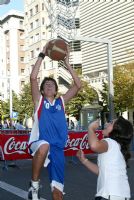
(86, 95)
(25, 102)
(21, 103)
(124, 87)
(5, 105)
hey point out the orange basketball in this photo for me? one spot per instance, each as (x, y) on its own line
(56, 49)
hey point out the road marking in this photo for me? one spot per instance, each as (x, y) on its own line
(17, 191)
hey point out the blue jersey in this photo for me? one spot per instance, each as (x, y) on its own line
(52, 122)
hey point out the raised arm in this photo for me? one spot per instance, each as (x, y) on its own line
(98, 146)
(77, 83)
(33, 77)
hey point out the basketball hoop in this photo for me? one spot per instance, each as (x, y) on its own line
(61, 14)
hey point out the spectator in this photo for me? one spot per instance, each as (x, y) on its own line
(19, 125)
(1, 126)
(5, 125)
(71, 124)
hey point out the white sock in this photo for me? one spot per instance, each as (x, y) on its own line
(35, 184)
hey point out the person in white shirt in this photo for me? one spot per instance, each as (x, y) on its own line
(113, 154)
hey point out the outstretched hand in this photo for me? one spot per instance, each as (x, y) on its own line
(80, 155)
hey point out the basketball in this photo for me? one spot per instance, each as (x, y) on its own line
(56, 49)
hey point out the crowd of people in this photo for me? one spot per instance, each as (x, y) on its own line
(12, 125)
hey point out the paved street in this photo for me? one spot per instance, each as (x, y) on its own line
(80, 184)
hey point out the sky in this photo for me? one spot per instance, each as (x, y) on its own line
(14, 4)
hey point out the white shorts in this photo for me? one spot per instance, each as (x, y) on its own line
(35, 146)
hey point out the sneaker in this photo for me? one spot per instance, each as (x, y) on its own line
(33, 192)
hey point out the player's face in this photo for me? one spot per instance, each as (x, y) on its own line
(49, 89)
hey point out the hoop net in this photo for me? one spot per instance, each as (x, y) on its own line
(61, 14)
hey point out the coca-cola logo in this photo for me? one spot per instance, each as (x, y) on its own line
(11, 146)
(77, 143)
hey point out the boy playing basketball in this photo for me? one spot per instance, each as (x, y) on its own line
(49, 133)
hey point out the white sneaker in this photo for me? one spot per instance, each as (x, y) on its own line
(33, 192)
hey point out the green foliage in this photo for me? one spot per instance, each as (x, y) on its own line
(85, 96)
(124, 87)
(25, 102)
(6, 105)
(21, 104)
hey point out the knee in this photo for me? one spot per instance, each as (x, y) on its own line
(43, 149)
(57, 194)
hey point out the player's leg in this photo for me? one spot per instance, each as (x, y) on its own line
(57, 194)
(38, 161)
(41, 150)
(56, 172)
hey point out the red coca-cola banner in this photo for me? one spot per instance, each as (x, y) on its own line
(79, 140)
(15, 146)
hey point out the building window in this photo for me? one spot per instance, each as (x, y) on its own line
(36, 9)
(22, 83)
(31, 26)
(37, 23)
(21, 35)
(21, 22)
(37, 51)
(75, 45)
(31, 40)
(22, 71)
(22, 59)
(43, 35)
(8, 60)
(31, 12)
(32, 54)
(77, 23)
(43, 20)
(22, 47)
(37, 37)
(43, 6)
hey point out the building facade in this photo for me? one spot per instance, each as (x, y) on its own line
(36, 35)
(113, 20)
(12, 53)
